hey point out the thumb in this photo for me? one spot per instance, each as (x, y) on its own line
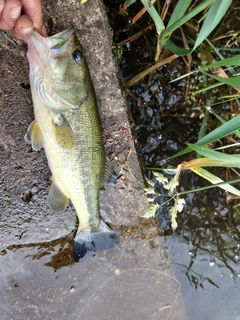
(35, 11)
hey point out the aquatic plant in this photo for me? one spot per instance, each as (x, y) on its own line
(216, 10)
(214, 74)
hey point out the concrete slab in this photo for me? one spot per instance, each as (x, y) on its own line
(24, 180)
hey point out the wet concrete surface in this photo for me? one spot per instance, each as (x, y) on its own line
(113, 285)
(39, 279)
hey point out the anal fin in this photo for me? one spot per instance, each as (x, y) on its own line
(34, 136)
(57, 200)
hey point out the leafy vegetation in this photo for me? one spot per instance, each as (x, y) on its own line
(216, 10)
(216, 69)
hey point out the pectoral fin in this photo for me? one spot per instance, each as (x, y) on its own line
(34, 136)
(64, 134)
(57, 200)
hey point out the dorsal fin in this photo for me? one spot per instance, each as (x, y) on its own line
(110, 175)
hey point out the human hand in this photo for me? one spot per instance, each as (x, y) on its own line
(22, 24)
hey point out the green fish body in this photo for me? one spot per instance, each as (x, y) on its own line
(67, 125)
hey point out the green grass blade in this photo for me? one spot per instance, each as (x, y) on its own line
(177, 50)
(203, 128)
(166, 33)
(214, 16)
(204, 89)
(210, 186)
(217, 116)
(129, 2)
(223, 63)
(154, 15)
(220, 132)
(221, 57)
(215, 180)
(237, 133)
(226, 160)
(179, 11)
(183, 76)
(232, 81)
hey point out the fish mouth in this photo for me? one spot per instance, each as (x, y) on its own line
(63, 34)
(58, 40)
(41, 49)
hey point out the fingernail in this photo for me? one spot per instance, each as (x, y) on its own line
(26, 30)
(44, 31)
(15, 12)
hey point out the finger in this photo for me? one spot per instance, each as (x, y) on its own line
(34, 10)
(23, 28)
(10, 11)
(2, 4)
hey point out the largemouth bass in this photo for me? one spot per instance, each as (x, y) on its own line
(67, 125)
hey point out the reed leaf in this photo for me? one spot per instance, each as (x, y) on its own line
(220, 132)
(214, 16)
(232, 81)
(215, 180)
(179, 10)
(154, 15)
(226, 160)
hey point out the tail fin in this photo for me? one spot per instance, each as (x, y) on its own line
(86, 243)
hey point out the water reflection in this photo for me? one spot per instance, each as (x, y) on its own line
(127, 282)
(205, 251)
(122, 295)
(211, 227)
(58, 253)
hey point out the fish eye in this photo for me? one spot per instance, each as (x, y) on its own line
(77, 55)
